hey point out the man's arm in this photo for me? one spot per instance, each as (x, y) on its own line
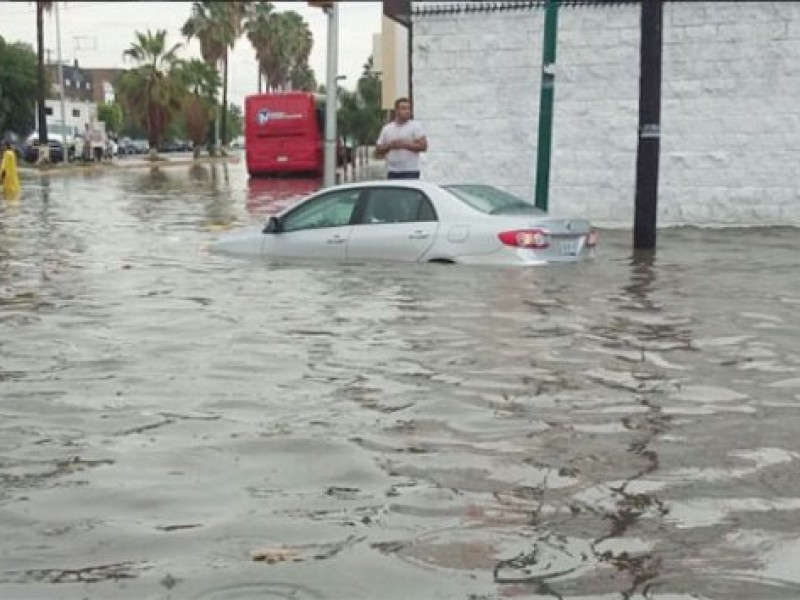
(419, 141)
(381, 147)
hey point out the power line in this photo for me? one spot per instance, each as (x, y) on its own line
(31, 10)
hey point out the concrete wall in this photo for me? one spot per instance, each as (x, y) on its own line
(730, 108)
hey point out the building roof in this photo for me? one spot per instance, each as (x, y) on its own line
(448, 8)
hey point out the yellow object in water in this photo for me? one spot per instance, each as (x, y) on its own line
(8, 172)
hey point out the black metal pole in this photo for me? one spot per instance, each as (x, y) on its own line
(647, 153)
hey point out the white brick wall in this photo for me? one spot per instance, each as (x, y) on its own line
(730, 146)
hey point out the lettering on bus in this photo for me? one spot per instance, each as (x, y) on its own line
(265, 115)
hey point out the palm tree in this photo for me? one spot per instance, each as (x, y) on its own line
(41, 8)
(202, 25)
(201, 82)
(152, 92)
(282, 42)
(216, 25)
(298, 41)
(259, 28)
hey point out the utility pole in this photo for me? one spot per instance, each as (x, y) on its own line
(331, 93)
(61, 84)
(331, 9)
(545, 142)
(647, 152)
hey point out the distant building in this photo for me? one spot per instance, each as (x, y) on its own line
(391, 53)
(84, 85)
(77, 114)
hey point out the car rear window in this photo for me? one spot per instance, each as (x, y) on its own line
(492, 201)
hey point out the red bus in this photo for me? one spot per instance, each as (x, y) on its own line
(284, 133)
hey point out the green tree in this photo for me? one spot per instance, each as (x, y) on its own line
(111, 114)
(151, 92)
(360, 116)
(235, 121)
(18, 80)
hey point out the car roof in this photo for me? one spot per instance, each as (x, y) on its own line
(402, 183)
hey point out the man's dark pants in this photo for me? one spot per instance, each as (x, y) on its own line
(403, 175)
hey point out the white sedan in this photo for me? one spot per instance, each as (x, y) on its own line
(417, 221)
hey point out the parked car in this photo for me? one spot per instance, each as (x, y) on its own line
(126, 146)
(30, 152)
(175, 146)
(141, 146)
(418, 221)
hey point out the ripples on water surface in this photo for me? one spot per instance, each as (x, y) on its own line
(380, 431)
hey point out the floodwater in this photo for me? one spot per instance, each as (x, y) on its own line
(175, 424)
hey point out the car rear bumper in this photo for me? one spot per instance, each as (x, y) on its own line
(524, 258)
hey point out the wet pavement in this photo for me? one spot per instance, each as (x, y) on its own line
(175, 424)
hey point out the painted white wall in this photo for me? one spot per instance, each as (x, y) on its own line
(730, 118)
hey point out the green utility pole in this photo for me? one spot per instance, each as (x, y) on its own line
(548, 85)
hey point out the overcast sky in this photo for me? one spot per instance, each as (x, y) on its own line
(97, 33)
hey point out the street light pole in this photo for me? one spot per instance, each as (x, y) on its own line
(331, 93)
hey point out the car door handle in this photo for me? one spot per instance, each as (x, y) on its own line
(336, 240)
(419, 235)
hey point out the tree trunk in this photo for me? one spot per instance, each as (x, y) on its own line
(44, 148)
(224, 124)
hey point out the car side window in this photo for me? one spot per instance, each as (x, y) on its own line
(331, 210)
(397, 205)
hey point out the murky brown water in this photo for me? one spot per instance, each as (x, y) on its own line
(611, 430)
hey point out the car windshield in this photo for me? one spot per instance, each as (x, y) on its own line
(491, 200)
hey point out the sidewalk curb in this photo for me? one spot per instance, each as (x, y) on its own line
(127, 165)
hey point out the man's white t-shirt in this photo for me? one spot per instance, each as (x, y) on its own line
(401, 161)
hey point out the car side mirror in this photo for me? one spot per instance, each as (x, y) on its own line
(273, 225)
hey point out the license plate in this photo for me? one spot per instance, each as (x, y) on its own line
(282, 158)
(568, 247)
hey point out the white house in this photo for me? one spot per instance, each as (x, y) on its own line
(730, 116)
(76, 114)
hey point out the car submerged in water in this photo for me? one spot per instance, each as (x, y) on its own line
(416, 221)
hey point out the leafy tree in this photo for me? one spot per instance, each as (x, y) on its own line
(18, 79)
(111, 114)
(360, 115)
(235, 117)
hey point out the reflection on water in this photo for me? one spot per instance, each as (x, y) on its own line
(267, 196)
(620, 429)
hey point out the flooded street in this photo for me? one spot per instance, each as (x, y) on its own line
(176, 424)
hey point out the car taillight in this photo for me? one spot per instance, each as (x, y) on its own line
(525, 238)
(591, 239)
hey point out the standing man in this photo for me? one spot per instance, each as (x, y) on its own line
(400, 142)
